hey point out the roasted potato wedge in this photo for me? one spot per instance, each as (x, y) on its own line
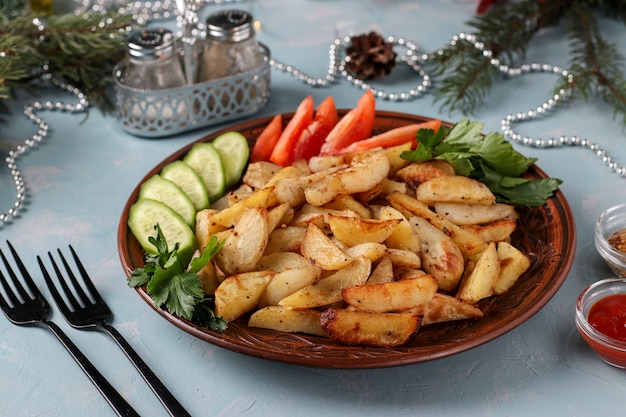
(239, 294)
(287, 319)
(286, 282)
(464, 214)
(440, 256)
(454, 189)
(479, 283)
(355, 230)
(321, 251)
(513, 263)
(391, 296)
(353, 327)
(402, 236)
(328, 289)
(443, 308)
(245, 243)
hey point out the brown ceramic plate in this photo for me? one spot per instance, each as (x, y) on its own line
(547, 234)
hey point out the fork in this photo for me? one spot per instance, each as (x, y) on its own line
(91, 312)
(26, 308)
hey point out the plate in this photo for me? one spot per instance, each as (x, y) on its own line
(547, 234)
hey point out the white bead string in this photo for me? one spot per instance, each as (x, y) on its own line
(30, 111)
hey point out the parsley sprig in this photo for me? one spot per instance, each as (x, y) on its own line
(487, 158)
(172, 280)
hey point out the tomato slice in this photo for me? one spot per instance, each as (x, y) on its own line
(313, 136)
(283, 151)
(393, 137)
(355, 125)
(266, 141)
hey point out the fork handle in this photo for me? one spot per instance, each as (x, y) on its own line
(115, 400)
(168, 400)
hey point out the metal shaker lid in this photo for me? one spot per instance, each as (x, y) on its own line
(230, 26)
(151, 43)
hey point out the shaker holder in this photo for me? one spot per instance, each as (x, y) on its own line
(160, 113)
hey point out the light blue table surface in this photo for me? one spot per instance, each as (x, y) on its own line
(80, 177)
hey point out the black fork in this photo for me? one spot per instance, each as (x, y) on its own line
(30, 308)
(87, 310)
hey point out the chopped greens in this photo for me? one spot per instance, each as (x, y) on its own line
(173, 283)
(489, 159)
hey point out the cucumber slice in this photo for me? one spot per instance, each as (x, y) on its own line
(207, 162)
(189, 181)
(170, 194)
(145, 213)
(234, 149)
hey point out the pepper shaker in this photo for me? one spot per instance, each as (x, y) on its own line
(152, 60)
(231, 47)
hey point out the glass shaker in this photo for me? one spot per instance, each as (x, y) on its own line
(152, 60)
(231, 47)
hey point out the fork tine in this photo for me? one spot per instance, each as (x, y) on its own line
(77, 286)
(16, 281)
(53, 289)
(88, 282)
(61, 279)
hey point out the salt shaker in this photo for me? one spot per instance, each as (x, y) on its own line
(152, 60)
(231, 47)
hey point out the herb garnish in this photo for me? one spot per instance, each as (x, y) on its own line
(174, 282)
(489, 159)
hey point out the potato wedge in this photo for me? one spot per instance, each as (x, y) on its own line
(402, 236)
(352, 231)
(498, 231)
(443, 308)
(454, 189)
(287, 282)
(239, 294)
(513, 263)
(417, 173)
(245, 242)
(479, 283)
(401, 273)
(321, 251)
(404, 258)
(282, 261)
(328, 289)
(370, 250)
(285, 239)
(287, 319)
(205, 228)
(279, 215)
(391, 296)
(347, 203)
(440, 256)
(363, 174)
(468, 243)
(259, 173)
(383, 272)
(353, 327)
(228, 217)
(464, 214)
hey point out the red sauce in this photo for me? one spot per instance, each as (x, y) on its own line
(608, 316)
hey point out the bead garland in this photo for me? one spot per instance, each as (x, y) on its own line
(30, 111)
(144, 12)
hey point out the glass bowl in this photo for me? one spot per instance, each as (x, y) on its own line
(610, 349)
(609, 222)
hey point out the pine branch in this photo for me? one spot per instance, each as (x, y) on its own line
(596, 65)
(78, 50)
(465, 76)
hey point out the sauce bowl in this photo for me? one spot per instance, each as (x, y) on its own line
(611, 221)
(601, 304)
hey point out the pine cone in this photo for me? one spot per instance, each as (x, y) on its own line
(369, 57)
